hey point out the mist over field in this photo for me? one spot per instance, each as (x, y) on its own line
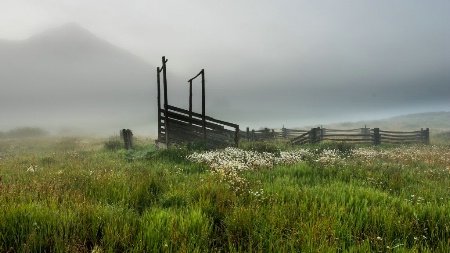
(90, 66)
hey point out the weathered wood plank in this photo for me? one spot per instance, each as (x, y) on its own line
(206, 117)
(399, 132)
(384, 137)
(344, 135)
(180, 117)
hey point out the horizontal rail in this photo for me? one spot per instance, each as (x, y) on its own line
(343, 130)
(181, 117)
(345, 135)
(398, 132)
(401, 136)
(356, 140)
(201, 116)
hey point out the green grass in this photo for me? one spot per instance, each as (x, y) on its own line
(78, 195)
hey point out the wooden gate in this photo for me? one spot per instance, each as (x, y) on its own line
(177, 125)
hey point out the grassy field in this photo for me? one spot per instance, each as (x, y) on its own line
(84, 195)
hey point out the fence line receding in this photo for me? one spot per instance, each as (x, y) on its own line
(359, 135)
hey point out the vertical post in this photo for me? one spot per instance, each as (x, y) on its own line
(248, 133)
(312, 135)
(284, 132)
(376, 136)
(319, 135)
(365, 133)
(203, 106)
(130, 139)
(236, 137)
(273, 134)
(127, 136)
(426, 136)
(159, 102)
(253, 134)
(166, 102)
(190, 102)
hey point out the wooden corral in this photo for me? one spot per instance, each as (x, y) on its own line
(178, 126)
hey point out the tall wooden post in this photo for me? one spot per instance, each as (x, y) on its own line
(203, 106)
(190, 102)
(166, 102)
(159, 102)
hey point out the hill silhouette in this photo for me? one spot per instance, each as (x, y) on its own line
(68, 76)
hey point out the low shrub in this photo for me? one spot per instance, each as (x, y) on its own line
(113, 143)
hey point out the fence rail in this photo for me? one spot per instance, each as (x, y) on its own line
(185, 126)
(360, 135)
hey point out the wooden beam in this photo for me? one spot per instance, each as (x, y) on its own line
(166, 102)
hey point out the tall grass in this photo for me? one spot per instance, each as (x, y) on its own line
(75, 195)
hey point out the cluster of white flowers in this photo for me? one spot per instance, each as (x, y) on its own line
(230, 162)
(32, 168)
(292, 157)
(431, 155)
(240, 160)
(330, 157)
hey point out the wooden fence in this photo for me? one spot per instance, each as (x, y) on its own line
(177, 125)
(360, 135)
(268, 134)
(185, 126)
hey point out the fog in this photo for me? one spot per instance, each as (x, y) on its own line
(91, 65)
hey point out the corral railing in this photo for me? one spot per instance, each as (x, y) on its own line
(177, 126)
(270, 134)
(359, 135)
(185, 126)
(396, 137)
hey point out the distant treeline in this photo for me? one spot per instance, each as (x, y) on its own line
(23, 132)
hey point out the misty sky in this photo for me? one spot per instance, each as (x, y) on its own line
(273, 63)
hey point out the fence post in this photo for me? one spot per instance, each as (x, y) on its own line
(158, 81)
(236, 137)
(313, 135)
(253, 134)
(284, 132)
(273, 134)
(166, 102)
(248, 133)
(426, 136)
(127, 136)
(376, 136)
(365, 132)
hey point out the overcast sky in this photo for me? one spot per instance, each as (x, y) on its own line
(308, 59)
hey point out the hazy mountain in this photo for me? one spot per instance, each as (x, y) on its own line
(68, 77)
(436, 121)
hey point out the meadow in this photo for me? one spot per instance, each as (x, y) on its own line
(78, 194)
